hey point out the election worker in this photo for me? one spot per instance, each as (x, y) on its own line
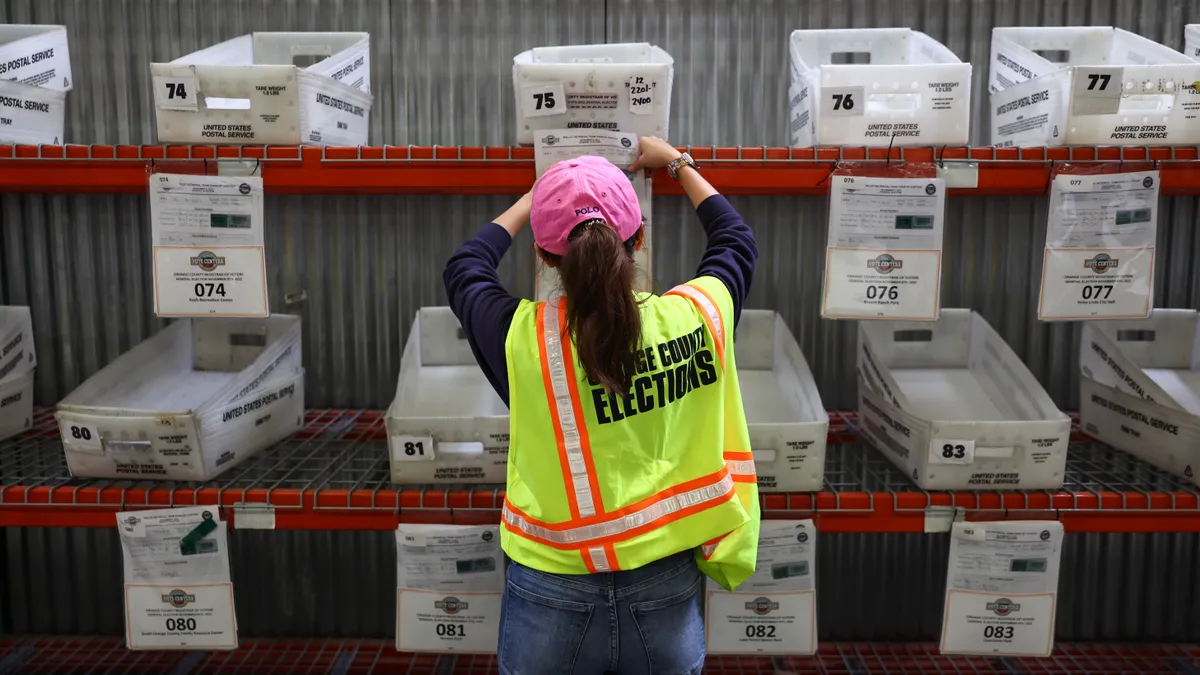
(629, 465)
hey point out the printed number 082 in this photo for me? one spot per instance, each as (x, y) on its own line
(176, 90)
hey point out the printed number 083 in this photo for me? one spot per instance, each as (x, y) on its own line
(953, 451)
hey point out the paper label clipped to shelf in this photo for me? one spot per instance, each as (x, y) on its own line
(207, 238)
(884, 258)
(1100, 240)
(774, 611)
(449, 581)
(178, 593)
(1002, 588)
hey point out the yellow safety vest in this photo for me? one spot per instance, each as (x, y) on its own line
(601, 483)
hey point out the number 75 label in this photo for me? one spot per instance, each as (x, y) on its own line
(543, 100)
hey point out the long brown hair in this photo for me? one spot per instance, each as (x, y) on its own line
(598, 275)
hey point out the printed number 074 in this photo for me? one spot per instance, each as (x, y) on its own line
(176, 90)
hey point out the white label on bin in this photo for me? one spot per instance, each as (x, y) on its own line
(641, 96)
(842, 101)
(951, 451)
(1001, 587)
(429, 621)
(176, 92)
(1097, 91)
(80, 437)
(182, 616)
(772, 623)
(412, 449)
(207, 238)
(543, 100)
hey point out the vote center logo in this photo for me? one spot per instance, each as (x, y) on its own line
(178, 598)
(451, 605)
(884, 264)
(207, 261)
(1003, 607)
(1101, 263)
(761, 606)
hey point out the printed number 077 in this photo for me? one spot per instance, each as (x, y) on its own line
(176, 90)
(1094, 78)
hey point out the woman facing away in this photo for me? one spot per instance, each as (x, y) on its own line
(629, 469)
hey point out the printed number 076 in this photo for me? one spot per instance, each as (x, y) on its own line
(176, 90)
(843, 102)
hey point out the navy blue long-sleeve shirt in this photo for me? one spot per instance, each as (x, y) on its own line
(485, 308)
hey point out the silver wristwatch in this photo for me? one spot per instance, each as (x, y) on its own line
(680, 162)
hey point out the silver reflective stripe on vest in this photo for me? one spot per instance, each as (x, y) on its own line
(707, 305)
(599, 559)
(611, 528)
(740, 467)
(566, 412)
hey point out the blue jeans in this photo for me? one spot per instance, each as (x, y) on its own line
(647, 621)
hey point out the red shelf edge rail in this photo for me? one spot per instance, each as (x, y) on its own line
(861, 512)
(505, 170)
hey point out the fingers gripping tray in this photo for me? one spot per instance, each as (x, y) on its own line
(1140, 390)
(905, 89)
(17, 363)
(951, 405)
(615, 87)
(253, 90)
(189, 403)
(1090, 86)
(446, 423)
(35, 76)
(788, 424)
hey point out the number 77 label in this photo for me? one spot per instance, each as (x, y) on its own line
(1091, 283)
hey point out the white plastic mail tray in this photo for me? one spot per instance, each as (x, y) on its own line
(1141, 388)
(35, 76)
(447, 425)
(189, 403)
(788, 423)
(616, 87)
(950, 404)
(17, 362)
(876, 86)
(1090, 86)
(261, 89)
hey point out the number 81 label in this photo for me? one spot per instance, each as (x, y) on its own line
(412, 449)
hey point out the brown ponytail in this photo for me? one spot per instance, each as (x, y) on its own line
(598, 276)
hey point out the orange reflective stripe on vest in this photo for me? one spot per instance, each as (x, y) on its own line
(708, 310)
(592, 530)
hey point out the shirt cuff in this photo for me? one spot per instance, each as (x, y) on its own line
(496, 237)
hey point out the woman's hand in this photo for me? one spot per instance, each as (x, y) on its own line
(654, 153)
(517, 215)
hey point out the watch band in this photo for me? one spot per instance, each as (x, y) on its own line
(678, 163)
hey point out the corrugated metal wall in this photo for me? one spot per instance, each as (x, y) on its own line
(441, 75)
(343, 584)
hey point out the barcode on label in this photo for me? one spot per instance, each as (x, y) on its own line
(229, 221)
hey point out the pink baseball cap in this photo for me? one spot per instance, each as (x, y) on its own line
(577, 190)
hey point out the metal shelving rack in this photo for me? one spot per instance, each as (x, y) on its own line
(108, 656)
(510, 170)
(334, 475)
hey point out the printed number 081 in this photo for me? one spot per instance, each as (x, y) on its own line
(412, 449)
